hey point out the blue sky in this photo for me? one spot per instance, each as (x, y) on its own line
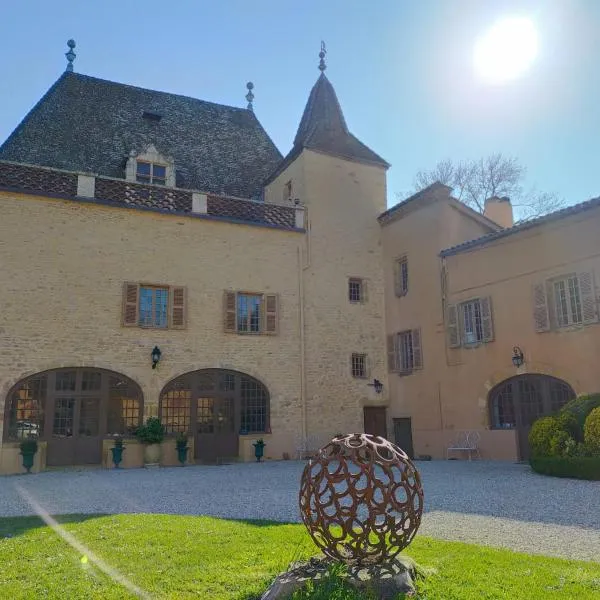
(402, 71)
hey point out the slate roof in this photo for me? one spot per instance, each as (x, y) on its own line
(87, 124)
(323, 128)
(525, 225)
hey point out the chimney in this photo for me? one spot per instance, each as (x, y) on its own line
(499, 210)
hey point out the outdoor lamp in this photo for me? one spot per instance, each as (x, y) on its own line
(517, 357)
(377, 385)
(155, 356)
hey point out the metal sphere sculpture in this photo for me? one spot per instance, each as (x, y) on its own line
(361, 499)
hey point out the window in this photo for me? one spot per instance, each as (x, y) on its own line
(357, 290)
(155, 306)
(565, 302)
(359, 366)
(175, 410)
(404, 352)
(253, 313)
(147, 172)
(470, 323)
(287, 191)
(254, 406)
(401, 276)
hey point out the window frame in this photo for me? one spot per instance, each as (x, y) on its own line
(154, 288)
(406, 356)
(261, 317)
(566, 317)
(476, 325)
(268, 315)
(361, 283)
(359, 365)
(401, 276)
(151, 179)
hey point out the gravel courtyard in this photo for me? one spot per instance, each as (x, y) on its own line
(499, 504)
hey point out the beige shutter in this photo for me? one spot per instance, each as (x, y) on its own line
(130, 304)
(229, 316)
(364, 291)
(541, 318)
(417, 352)
(398, 278)
(587, 292)
(178, 308)
(487, 325)
(452, 326)
(271, 303)
(392, 353)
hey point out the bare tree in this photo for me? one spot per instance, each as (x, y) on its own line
(495, 175)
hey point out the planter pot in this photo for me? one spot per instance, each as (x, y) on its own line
(152, 454)
(117, 455)
(182, 454)
(259, 450)
(27, 460)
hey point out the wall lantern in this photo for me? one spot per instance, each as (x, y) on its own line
(377, 385)
(517, 357)
(155, 356)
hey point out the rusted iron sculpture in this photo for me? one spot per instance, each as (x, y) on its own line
(361, 499)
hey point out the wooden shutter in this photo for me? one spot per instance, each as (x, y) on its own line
(487, 325)
(416, 348)
(398, 282)
(271, 303)
(178, 308)
(229, 316)
(541, 318)
(587, 292)
(130, 304)
(392, 353)
(452, 326)
(364, 295)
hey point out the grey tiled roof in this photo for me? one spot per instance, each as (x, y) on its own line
(525, 225)
(88, 124)
(323, 128)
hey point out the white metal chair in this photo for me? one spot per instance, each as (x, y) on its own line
(466, 441)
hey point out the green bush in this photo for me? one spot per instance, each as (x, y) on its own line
(591, 431)
(560, 443)
(542, 434)
(152, 432)
(578, 467)
(580, 408)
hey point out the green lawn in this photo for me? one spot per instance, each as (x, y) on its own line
(199, 557)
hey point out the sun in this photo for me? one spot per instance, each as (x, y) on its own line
(506, 51)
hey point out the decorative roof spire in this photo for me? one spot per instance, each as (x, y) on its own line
(322, 65)
(250, 95)
(70, 55)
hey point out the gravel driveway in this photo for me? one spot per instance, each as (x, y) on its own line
(494, 503)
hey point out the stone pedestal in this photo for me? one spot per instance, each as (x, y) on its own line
(386, 580)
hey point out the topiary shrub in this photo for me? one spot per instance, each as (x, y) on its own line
(541, 435)
(560, 444)
(591, 432)
(568, 422)
(580, 408)
(152, 432)
(578, 467)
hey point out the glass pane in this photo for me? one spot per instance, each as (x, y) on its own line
(503, 408)
(255, 302)
(64, 412)
(124, 408)
(227, 382)
(531, 402)
(26, 417)
(65, 381)
(175, 410)
(89, 417)
(159, 172)
(575, 300)
(143, 168)
(248, 313)
(224, 420)
(560, 297)
(254, 407)
(161, 302)
(146, 295)
(157, 181)
(143, 179)
(205, 415)
(91, 381)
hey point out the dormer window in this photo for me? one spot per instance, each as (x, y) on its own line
(147, 172)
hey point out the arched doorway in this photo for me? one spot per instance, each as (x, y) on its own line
(517, 402)
(215, 406)
(73, 410)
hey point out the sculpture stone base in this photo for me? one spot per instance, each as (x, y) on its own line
(386, 580)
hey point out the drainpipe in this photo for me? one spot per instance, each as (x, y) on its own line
(302, 343)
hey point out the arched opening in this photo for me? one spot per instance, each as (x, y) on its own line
(73, 410)
(517, 402)
(215, 406)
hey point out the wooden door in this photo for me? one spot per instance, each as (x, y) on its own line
(403, 435)
(216, 429)
(375, 420)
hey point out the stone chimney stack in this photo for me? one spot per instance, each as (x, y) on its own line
(499, 210)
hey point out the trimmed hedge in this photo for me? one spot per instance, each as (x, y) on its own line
(580, 408)
(576, 467)
(591, 431)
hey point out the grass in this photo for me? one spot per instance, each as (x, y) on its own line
(200, 557)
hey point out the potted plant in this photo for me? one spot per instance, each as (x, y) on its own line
(29, 446)
(182, 447)
(151, 434)
(117, 451)
(259, 449)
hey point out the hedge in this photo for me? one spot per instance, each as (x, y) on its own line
(580, 408)
(576, 467)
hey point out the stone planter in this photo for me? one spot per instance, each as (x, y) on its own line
(117, 455)
(28, 457)
(152, 454)
(182, 454)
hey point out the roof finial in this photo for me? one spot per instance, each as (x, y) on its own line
(250, 95)
(322, 65)
(70, 55)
